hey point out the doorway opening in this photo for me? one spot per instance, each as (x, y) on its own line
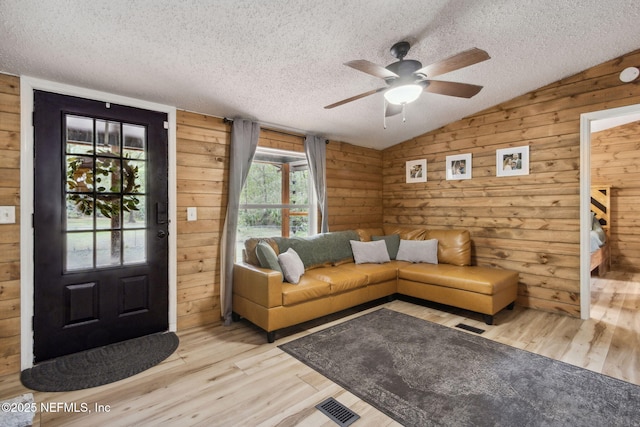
(588, 122)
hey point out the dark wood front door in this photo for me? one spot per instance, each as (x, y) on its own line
(100, 224)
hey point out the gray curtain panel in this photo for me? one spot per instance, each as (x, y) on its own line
(244, 140)
(315, 148)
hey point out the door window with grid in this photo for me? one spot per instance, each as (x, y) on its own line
(105, 193)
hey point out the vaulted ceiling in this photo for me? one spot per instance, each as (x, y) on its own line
(281, 61)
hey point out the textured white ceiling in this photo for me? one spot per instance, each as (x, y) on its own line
(281, 61)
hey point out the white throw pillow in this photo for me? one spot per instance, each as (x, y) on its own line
(418, 251)
(292, 266)
(370, 252)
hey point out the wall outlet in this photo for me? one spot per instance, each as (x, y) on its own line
(192, 214)
(7, 214)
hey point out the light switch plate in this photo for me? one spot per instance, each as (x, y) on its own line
(192, 214)
(7, 214)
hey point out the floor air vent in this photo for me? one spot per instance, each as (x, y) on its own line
(469, 328)
(339, 413)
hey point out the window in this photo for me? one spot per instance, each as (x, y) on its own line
(277, 199)
(105, 192)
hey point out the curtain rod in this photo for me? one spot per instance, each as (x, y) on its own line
(228, 121)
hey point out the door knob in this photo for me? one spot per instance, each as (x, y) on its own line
(162, 234)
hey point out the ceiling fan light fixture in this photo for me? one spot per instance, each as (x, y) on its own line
(404, 94)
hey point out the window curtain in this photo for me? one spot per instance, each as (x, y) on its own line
(244, 140)
(315, 148)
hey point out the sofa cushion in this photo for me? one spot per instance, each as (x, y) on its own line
(341, 279)
(292, 267)
(306, 290)
(483, 280)
(376, 273)
(393, 243)
(267, 256)
(418, 251)
(365, 234)
(406, 233)
(454, 246)
(370, 252)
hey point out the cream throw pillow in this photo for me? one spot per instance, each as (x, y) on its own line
(292, 266)
(370, 252)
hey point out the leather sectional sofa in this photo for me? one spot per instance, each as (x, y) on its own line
(333, 281)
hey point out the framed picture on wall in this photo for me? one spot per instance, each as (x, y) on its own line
(512, 161)
(417, 170)
(459, 166)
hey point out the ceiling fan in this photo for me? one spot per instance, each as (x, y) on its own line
(406, 79)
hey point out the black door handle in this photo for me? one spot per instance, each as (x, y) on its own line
(162, 234)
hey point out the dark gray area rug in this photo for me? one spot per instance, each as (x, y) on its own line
(423, 374)
(102, 365)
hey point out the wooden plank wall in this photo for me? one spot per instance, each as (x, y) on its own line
(615, 161)
(202, 168)
(281, 140)
(10, 233)
(354, 186)
(528, 223)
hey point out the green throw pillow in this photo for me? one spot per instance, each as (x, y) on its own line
(393, 243)
(267, 256)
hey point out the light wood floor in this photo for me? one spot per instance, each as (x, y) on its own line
(230, 376)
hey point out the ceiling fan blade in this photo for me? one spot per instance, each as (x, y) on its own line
(461, 90)
(392, 110)
(455, 62)
(371, 68)
(353, 98)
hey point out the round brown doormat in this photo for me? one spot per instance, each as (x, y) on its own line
(102, 365)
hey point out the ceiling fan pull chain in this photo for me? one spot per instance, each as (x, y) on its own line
(384, 113)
